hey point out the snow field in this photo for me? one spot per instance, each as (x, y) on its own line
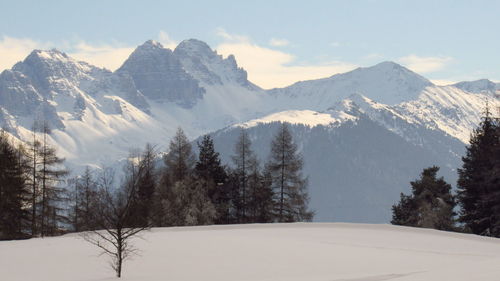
(303, 251)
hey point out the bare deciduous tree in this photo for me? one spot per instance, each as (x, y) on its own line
(114, 218)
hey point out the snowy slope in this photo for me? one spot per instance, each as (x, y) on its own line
(386, 82)
(265, 252)
(479, 86)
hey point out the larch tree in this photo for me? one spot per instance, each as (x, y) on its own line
(244, 162)
(290, 187)
(180, 159)
(50, 174)
(85, 193)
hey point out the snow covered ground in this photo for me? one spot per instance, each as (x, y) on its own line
(312, 251)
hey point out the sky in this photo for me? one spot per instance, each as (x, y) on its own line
(277, 42)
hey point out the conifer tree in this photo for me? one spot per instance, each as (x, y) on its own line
(180, 159)
(244, 161)
(213, 176)
(146, 185)
(33, 164)
(84, 201)
(430, 205)
(208, 167)
(285, 168)
(14, 216)
(478, 183)
(50, 175)
(261, 203)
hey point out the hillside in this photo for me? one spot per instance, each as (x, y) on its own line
(312, 252)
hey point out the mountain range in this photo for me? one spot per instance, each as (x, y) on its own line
(364, 134)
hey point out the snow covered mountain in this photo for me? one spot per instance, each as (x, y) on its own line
(479, 86)
(97, 115)
(386, 82)
(385, 121)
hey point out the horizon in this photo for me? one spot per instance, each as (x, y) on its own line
(172, 48)
(277, 43)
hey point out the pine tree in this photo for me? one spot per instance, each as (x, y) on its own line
(430, 205)
(478, 184)
(14, 216)
(285, 166)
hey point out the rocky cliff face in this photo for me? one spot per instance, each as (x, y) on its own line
(159, 75)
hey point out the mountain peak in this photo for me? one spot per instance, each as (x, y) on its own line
(478, 86)
(393, 68)
(194, 47)
(48, 55)
(151, 44)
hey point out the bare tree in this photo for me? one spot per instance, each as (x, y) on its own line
(114, 218)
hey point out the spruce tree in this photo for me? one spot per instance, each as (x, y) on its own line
(213, 176)
(285, 168)
(478, 183)
(14, 216)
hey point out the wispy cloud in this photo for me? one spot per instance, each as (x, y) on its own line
(278, 42)
(271, 68)
(110, 55)
(442, 82)
(425, 64)
(166, 40)
(13, 50)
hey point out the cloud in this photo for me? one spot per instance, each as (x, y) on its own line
(278, 42)
(373, 56)
(13, 50)
(271, 68)
(441, 82)
(166, 40)
(110, 56)
(335, 44)
(425, 64)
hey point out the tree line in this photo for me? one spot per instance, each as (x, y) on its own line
(432, 203)
(176, 189)
(31, 195)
